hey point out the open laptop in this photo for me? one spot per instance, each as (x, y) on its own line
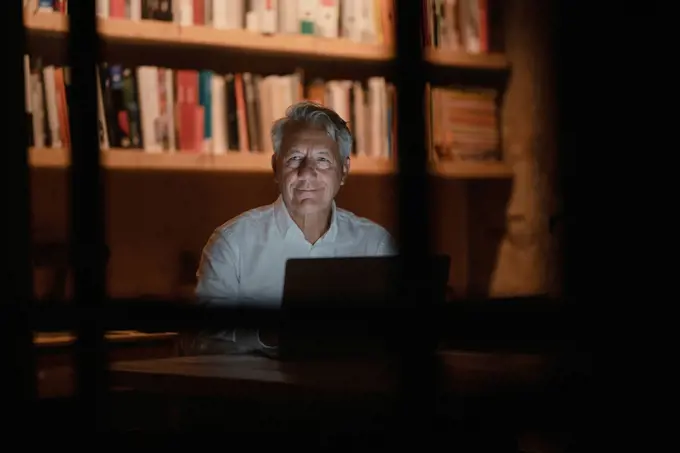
(345, 290)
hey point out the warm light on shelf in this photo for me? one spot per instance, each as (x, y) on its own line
(235, 161)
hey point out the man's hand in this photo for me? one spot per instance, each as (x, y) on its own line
(269, 337)
(205, 343)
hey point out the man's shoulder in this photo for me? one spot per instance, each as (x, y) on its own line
(246, 221)
(354, 221)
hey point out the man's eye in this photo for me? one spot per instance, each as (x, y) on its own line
(323, 159)
(295, 158)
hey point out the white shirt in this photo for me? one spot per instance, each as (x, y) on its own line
(244, 260)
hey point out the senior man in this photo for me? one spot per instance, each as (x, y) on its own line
(244, 260)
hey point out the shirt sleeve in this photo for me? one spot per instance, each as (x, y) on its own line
(387, 246)
(217, 275)
(218, 280)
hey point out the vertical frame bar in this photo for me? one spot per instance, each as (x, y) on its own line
(87, 219)
(414, 232)
(16, 338)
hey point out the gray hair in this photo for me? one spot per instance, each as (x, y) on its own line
(314, 114)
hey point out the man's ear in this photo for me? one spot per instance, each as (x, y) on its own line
(345, 171)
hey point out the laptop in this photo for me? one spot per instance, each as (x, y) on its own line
(345, 290)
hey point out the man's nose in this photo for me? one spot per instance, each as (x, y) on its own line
(306, 169)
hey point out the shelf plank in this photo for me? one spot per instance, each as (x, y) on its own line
(52, 22)
(166, 33)
(234, 161)
(123, 159)
(310, 46)
(48, 157)
(150, 31)
(118, 29)
(371, 166)
(472, 170)
(466, 60)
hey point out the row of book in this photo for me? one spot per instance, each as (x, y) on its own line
(365, 21)
(464, 124)
(455, 25)
(158, 110)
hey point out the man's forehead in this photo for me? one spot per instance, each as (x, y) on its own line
(309, 137)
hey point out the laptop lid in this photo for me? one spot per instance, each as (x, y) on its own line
(365, 286)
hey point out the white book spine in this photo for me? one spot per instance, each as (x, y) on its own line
(103, 131)
(359, 126)
(375, 117)
(219, 117)
(236, 13)
(288, 18)
(27, 84)
(186, 13)
(367, 21)
(135, 9)
(51, 103)
(103, 8)
(170, 97)
(219, 14)
(306, 12)
(149, 109)
(38, 109)
(327, 16)
(269, 16)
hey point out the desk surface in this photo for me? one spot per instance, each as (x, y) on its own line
(232, 375)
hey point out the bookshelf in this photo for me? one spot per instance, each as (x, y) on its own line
(134, 42)
(168, 33)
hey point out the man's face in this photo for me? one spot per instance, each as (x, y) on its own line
(309, 170)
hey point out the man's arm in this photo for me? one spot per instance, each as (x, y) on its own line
(387, 246)
(217, 275)
(218, 285)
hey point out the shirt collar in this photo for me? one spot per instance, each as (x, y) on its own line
(285, 222)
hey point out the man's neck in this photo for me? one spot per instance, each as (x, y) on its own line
(313, 226)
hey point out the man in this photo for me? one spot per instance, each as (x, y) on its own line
(244, 261)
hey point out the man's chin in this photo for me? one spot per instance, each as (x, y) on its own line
(308, 206)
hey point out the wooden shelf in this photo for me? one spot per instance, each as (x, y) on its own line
(163, 33)
(472, 170)
(309, 46)
(466, 60)
(145, 30)
(234, 161)
(120, 336)
(150, 31)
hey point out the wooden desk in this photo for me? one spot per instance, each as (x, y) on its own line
(243, 392)
(465, 372)
(55, 355)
